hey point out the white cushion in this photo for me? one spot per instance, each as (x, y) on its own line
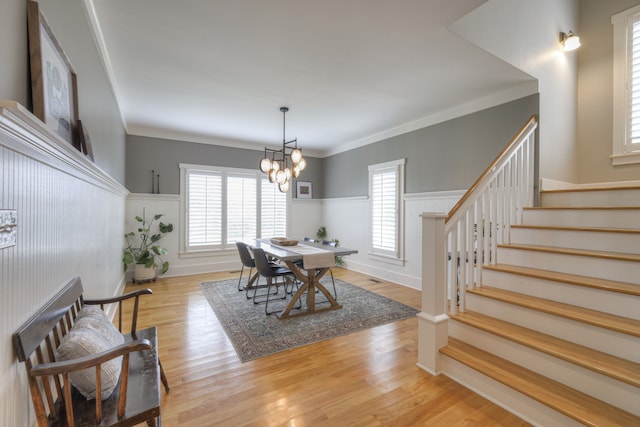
(92, 333)
(94, 317)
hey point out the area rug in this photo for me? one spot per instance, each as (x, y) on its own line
(254, 334)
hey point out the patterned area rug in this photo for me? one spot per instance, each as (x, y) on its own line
(254, 334)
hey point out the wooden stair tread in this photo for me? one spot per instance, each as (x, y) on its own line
(587, 189)
(612, 322)
(597, 361)
(573, 279)
(589, 229)
(581, 208)
(568, 401)
(579, 252)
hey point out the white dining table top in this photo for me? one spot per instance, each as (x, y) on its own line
(289, 253)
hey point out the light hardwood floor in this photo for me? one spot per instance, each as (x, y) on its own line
(369, 378)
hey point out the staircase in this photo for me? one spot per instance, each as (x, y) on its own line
(552, 329)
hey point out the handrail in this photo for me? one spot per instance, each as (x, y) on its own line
(457, 246)
(508, 148)
(483, 217)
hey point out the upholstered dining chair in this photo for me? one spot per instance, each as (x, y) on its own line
(247, 261)
(333, 282)
(271, 273)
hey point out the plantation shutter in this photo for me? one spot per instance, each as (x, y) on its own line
(633, 83)
(273, 211)
(204, 209)
(241, 208)
(385, 209)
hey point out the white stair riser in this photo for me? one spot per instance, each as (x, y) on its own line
(590, 240)
(519, 404)
(604, 388)
(581, 296)
(614, 218)
(630, 197)
(600, 339)
(603, 268)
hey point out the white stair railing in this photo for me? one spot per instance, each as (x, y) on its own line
(456, 246)
(482, 219)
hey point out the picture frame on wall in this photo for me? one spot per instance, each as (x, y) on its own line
(54, 83)
(304, 190)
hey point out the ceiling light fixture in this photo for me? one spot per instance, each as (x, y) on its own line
(569, 41)
(283, 166)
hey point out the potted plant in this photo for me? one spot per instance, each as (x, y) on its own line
(321, 234)
(143, 251)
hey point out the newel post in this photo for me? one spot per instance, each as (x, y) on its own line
(432, 321)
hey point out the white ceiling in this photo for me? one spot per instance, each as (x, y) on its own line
(351, 71)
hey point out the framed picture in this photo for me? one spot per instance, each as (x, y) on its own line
(304, 190)
(53, 80)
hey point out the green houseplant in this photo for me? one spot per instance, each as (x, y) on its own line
(142, 249)
(321, 234)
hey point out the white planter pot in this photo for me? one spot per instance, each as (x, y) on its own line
(143, 274)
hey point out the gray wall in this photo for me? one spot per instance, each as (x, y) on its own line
(446, 156)
(97, 106)
(595, 93)
(145, 154)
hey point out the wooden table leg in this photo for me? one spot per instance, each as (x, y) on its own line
(310, 282)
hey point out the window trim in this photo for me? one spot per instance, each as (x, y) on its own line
(396, 257)
(184, 249)
(621, 152)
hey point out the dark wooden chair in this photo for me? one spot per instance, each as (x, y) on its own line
(136, 397)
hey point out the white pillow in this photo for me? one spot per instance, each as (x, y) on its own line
(93, 333)
(94, 317)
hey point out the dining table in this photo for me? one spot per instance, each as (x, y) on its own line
(309, 262)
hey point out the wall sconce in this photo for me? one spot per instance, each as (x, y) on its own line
(569, 41)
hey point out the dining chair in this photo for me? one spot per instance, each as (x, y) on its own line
(333, 244)
(271, 273)
(248, 261)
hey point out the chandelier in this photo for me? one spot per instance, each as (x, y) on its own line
(283, 165)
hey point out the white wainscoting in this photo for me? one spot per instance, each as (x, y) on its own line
(69, 223)
(305, 218)
(347, 219)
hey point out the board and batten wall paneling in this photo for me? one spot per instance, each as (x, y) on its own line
(305, 216)
(348, 220)
(69, 223)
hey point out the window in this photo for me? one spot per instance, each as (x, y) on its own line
(223, 205)
(242, 212)
(386, 188)
(626, 87)
(273, 211)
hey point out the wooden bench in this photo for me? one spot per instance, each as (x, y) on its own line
(136, 397)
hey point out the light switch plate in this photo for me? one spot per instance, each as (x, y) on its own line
(8, 228)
